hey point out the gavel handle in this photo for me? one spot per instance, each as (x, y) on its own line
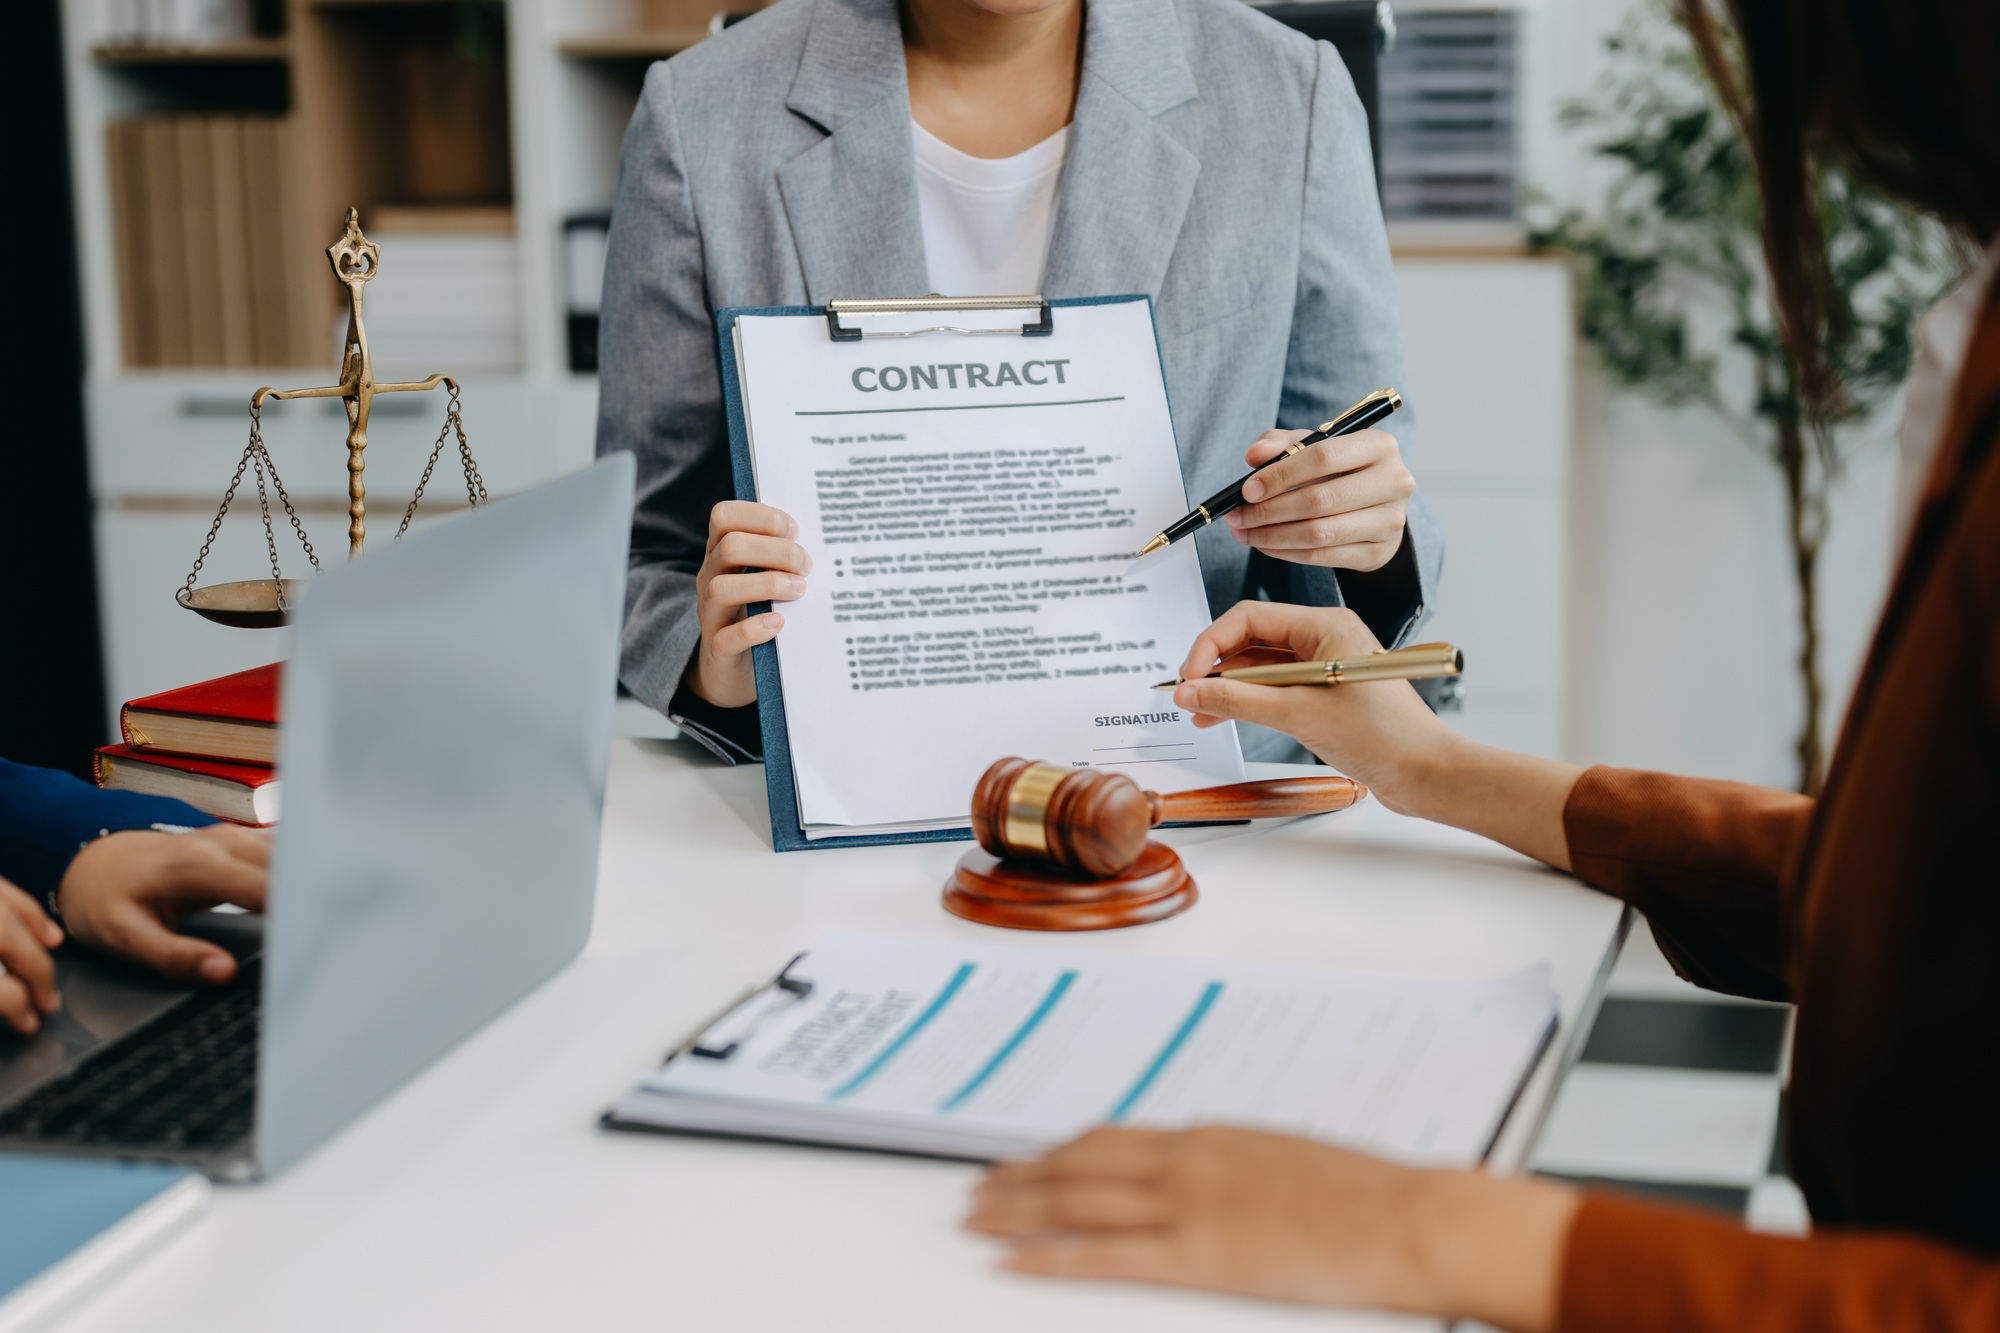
(1273, 798)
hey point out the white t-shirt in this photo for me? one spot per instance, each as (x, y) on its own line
(987, 220)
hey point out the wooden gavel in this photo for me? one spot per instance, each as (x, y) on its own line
(1095, 822)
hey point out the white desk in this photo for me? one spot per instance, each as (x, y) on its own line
(484, 1196)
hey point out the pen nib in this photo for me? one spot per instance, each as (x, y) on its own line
(1173, 684)
(1153, 545)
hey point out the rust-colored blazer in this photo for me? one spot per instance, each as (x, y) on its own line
(1876, 910)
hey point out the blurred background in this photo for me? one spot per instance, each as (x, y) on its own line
(1618, 572)
(1621, 571)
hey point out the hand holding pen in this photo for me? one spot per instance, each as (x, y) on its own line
(1337, 496)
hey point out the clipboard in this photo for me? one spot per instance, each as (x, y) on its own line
(846, 322)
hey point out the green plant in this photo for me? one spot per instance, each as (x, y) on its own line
(1670, 282)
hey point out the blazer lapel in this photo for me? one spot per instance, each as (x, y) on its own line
(851, 200)
(1127, 182)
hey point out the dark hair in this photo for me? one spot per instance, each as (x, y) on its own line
(1902, 94)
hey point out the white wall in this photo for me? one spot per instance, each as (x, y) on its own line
(1683, 612)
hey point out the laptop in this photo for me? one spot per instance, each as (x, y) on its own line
(447, 718)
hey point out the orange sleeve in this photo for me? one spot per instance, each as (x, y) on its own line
(1633, 1267)
(1711, 864)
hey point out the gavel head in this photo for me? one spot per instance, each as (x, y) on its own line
(1082, 819)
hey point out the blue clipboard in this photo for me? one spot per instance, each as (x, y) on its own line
(781, 788)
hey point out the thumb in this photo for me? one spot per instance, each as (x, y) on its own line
(178, 957)
(1264, 705)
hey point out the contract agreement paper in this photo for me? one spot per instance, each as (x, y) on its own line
(974, 505)
(989, 1051)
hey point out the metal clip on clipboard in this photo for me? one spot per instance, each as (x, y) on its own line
(918, 305)
(720, 1039)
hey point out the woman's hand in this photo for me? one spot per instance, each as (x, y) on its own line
(1341, 502)
(1285, 1219)
(1379, 733)
(27, 973)
(126, 892)
(752, 557)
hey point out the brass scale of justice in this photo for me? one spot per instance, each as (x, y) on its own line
(267, 603)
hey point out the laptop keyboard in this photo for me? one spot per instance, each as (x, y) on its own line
(185, 1083)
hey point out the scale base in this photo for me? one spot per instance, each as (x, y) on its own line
(252, 604)
(1021, 896)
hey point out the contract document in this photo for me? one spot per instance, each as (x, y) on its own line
(989, 1052)
(974, 506)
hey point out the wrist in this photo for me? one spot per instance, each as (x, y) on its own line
(1491, 1248)
(1418, 781)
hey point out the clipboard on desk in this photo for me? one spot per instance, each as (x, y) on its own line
(977, 1051)
(937, 454)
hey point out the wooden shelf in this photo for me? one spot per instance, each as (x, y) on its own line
(440, 219)
(249, 49)
(643, 44)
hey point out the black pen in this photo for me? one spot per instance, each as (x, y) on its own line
(1358, 417)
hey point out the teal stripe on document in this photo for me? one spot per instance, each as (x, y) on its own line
(951, 988)
(1021, 1034)
(1167, 1052)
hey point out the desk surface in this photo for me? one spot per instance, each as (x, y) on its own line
(484, 1196)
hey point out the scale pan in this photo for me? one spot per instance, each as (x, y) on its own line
(252, 604)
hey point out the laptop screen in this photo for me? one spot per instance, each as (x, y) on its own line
(447, 712)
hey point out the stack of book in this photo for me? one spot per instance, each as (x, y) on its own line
(213, 745)
(200, 221)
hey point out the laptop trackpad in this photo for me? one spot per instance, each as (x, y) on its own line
(105, 998)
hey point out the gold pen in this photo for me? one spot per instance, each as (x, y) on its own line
(1417, 662)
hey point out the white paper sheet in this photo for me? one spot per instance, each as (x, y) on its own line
(939, 1047)
(974, 506)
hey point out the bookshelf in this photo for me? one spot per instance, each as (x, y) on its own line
(465, 148)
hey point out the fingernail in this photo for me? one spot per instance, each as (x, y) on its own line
(1253, 490)
(1184, 696)
(794, 531)
(798, 586)
(55, 1003)
(1240, 535)
(217, 968)
(1233, 518)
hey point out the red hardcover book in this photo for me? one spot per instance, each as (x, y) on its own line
(240, 793)
(230, 717)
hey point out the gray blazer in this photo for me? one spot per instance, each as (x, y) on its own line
(1217, 161)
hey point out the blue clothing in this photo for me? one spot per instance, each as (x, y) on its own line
(46, 817)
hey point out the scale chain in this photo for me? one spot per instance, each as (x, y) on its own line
(290, 512)
(201, 557)
(254, 453)
(475, 485)
(270, 537)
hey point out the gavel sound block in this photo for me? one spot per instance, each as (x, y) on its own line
(1066, 848)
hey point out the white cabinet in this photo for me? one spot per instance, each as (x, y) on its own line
(1490, 383)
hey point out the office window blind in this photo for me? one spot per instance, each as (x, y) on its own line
(1448, 113)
